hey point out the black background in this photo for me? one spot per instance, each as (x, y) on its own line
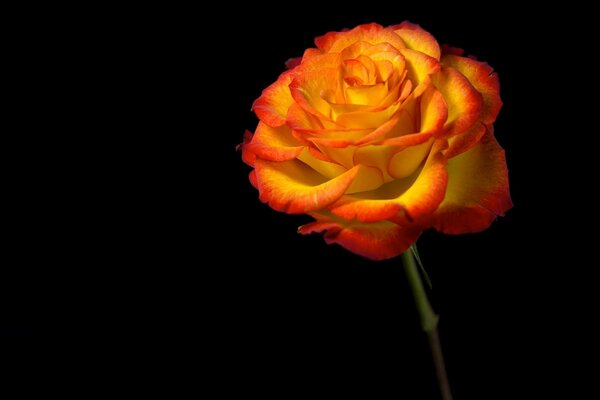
(194, 261)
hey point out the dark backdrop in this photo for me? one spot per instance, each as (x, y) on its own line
(298, 314)
(193, 260)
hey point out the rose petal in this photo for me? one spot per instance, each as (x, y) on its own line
(449, 50)
(274, 144)
(484, 79)
(370, 95)
(411, 198)
(356, 49)
(404, 163)
(272, 105)
(463, 100)
(434, 111)
(416, 38)
(335, 42)
(293, 62)
(273, 153)
(295, 188)
(377, 156)
(398, 125)
(477, 191)
(247, 156)
(252, 178)
(367, 119)
(307, 90)
(460, 143)
(408, 140)
(300, 120)
(367, 178)
(419, 65)
(376, 241)
(310, 53)
(386, 63)
(343, 155)
(326, 168)
(355, 72)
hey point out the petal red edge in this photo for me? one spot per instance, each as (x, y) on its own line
(484, 79)
(480, 204)
(376, 241)
(279, 191)
(266, 105)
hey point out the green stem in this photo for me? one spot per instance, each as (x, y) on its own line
(429, 321)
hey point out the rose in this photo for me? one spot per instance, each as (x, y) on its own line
(378, 134)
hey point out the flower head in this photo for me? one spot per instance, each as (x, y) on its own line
(379, 134)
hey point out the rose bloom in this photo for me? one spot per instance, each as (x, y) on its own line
(379, 134)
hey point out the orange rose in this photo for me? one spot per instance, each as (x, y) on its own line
(378, 134)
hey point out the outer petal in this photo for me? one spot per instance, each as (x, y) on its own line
(376, 241)
(412, 198)
(484, 79)
(252, 178)
(273, 153)
(463, 100)
(274, 144)
(272, 105)
(247, 156)
(477, 191)
(295, 188)
(417, 38)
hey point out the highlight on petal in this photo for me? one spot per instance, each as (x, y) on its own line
(477, 191)
(416, 38)
(295, 188)
(464, 102)
(375, 241)
(484, 79)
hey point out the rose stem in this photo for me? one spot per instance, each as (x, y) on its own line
(429, 321)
